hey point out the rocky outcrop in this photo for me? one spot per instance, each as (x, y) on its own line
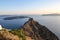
(37, 32)
(5, 35)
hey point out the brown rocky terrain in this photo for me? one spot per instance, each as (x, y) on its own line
(6, 35)
(37, 32)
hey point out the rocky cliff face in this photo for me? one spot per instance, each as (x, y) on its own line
(6, 35)
(37, 32)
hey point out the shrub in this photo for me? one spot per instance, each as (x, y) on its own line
(19, 33)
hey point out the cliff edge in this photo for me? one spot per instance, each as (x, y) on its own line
(37, 31)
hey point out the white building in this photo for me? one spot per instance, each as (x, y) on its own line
(1, 27)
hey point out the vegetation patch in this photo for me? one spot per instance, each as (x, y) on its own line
(19, 33)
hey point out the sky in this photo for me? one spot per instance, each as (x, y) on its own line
(29, 6)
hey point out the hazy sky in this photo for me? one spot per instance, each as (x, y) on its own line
(29, 6)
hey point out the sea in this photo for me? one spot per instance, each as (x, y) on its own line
(51, 22)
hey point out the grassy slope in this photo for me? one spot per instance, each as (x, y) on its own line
(19, 33)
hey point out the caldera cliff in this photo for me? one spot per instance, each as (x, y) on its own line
(37, 31)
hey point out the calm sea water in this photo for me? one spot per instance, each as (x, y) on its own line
(51, 22)
(12, 24)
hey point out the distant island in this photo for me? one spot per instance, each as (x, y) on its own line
(51, 15)
(15, 17)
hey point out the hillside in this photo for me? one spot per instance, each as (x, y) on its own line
(37, 31)
(6, 35)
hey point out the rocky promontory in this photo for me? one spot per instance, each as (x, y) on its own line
(37, 31)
